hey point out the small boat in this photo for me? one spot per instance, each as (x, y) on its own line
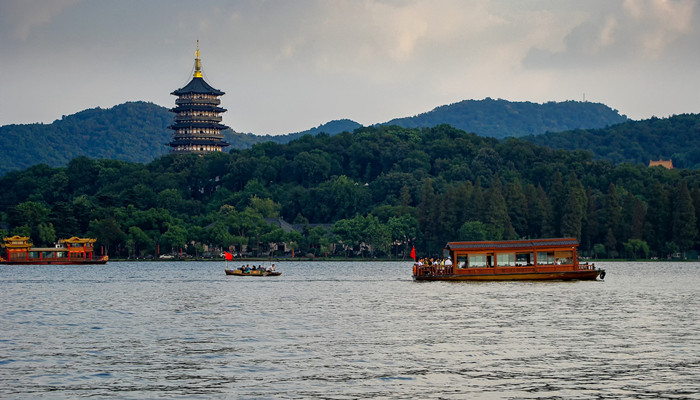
(534, 259)
(256, 272)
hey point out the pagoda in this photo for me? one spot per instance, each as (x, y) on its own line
(197, 121)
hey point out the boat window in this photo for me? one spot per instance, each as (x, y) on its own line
(564, 257)
(477, 260)
(506, 259)
(545, 258)
(524, 259)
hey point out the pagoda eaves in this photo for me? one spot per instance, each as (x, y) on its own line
(198, 124)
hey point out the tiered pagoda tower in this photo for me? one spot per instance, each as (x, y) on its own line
(197, 121)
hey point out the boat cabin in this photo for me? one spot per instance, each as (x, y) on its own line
(514, 253)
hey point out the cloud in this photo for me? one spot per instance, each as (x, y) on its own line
(23, 16)
(664, 21)
(632, 31)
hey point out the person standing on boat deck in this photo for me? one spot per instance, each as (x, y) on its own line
(448, 265)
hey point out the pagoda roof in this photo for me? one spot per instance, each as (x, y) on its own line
(197, 125)
(76, 239)
(198, 85)
(198, 107)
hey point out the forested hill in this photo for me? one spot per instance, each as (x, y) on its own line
(137, 131)
(133, 131)
(382, 189)
(242, 141)
(676, 137)
(502, 118)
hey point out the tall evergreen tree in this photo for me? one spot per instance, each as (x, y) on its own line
(657, 231)
(516, 202)
(496, 217)
(612, 215)
(684, 224)
(574, 210)
(557, 198)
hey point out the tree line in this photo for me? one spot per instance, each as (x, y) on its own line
(378, 190)
(676, 137)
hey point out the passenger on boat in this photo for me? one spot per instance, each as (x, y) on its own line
(448, 265)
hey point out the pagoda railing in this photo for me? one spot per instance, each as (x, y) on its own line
(197, 118)
(194, 136)
(184, 101)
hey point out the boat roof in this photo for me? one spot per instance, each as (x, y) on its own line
(513, 244)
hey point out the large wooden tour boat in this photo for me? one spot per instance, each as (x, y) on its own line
(534, 259)
(19, 250)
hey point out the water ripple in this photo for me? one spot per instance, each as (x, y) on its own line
(346, 331)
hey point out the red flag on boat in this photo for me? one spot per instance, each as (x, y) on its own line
(413, 253)
(228, 256)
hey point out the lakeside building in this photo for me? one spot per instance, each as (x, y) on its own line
(668, 164)
(197, 121)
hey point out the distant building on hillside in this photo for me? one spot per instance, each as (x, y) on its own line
(197, 121)
(668, 164)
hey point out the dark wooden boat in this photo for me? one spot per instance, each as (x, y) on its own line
(535, 259)
(257, 272)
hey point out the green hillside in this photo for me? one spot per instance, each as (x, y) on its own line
(676, 137)
(242, 141)
(133, 131)
(137, 131)
(502, 118)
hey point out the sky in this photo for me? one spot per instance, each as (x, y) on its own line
(287, 66)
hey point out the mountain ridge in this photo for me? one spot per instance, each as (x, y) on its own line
(138, 131)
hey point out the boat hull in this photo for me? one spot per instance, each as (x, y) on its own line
(525, 276)
(238, 272)
(55, 262)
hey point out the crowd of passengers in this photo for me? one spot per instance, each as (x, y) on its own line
(434, 266)
(246, 269)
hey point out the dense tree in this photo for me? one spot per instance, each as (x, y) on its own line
(684, 223)
(382, 189)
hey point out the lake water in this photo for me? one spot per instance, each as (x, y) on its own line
(339, 330)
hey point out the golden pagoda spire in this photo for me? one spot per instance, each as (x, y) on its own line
(197, 63)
